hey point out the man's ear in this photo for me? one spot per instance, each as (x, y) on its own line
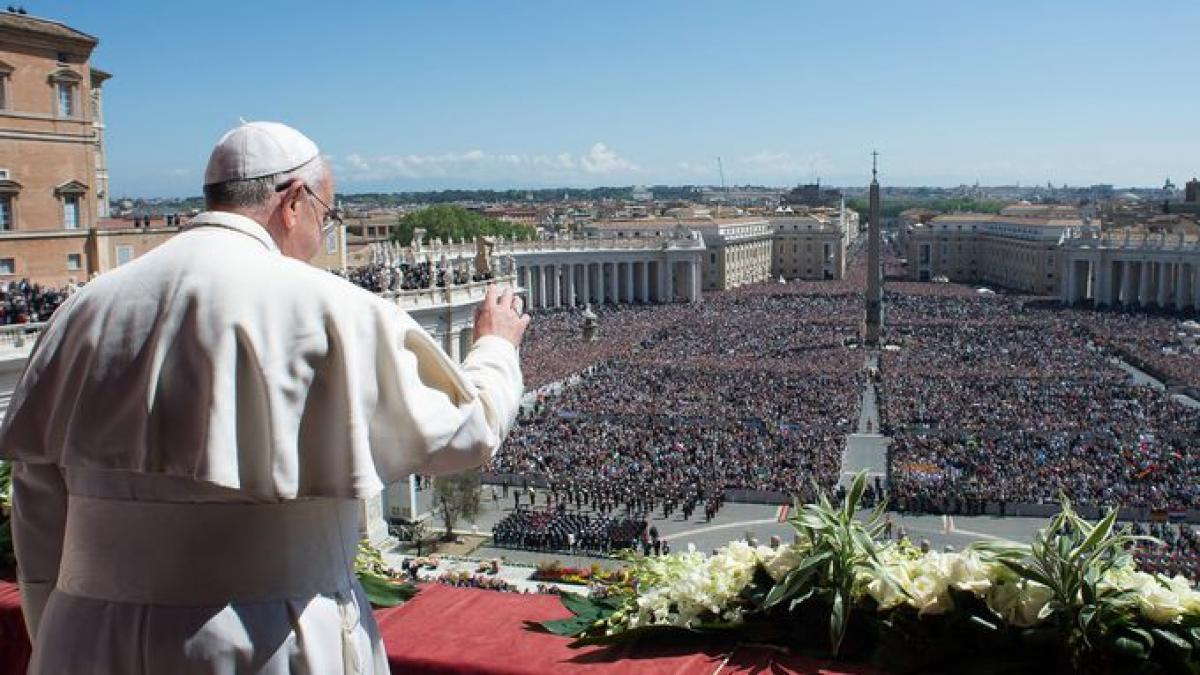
(290, 203)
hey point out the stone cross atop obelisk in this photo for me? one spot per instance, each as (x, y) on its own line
(874, 318)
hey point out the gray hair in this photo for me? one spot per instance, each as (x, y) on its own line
(251, 192)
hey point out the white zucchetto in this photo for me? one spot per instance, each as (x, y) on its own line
(257, 149)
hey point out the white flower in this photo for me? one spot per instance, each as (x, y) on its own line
(1022, 602)
(684, 589)
(779, 562)
(1160, 599)
(966, 572)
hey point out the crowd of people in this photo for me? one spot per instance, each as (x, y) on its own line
(989, 398)
(1165, 344)
(1178, 552)
(554, 529)
(25, 302)
(554, 348)
(382, 277)
(754, 389)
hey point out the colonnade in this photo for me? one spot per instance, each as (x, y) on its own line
(1105, 280)
(574, 284)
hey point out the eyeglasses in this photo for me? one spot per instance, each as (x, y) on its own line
(332, 217)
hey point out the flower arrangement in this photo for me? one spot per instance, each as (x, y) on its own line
(555, 572)
(1072, 600)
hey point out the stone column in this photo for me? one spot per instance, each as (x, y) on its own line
(1164, 283)
(645, 277)
(542, 299)
(1068, 288)
(694, 293)
(1183, 286)
(1144, 285)
(586, 278)
(1104, 283)
(1196, 285)
(569, 273)
(371, 525)
(450, 342)
(614, 283)
(1126, 283)
(629, 282)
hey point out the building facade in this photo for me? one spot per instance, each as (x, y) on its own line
(811, 246)
(1016, 252)
(53, 176)
(801, 244)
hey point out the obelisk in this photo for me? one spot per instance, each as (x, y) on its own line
(874, 319)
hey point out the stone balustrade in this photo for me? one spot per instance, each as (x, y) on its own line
(570, 272)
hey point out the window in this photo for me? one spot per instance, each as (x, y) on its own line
(124, 254)
(71, 194)
(66, 99)
(71, 212)
(8, 266)
(74, 262)
(6, 213)
(5, 73)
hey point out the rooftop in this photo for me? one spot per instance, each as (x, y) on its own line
(646, 223)
(32, 24)
(1006, 220)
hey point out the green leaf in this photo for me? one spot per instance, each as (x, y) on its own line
(799, 599)
(795, 579)
(1028, 573)
(580, 606)
(838, 619)
(1131, 648)
(854, 496)
(572, 627)
(381, 592)
(984, 623)
(1172, 640)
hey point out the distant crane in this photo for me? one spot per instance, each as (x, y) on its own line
(724, 190)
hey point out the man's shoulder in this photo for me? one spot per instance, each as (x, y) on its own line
(326, 286)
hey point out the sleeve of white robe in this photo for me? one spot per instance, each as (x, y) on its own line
(39, 516)
(434, 416)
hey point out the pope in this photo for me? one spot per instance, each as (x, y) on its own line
(194, 431)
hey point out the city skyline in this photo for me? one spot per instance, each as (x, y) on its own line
(536, 95)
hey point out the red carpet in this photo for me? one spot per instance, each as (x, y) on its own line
(448, 630)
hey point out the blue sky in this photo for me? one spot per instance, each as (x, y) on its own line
(418, 95)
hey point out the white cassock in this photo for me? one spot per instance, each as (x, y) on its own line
(190, 440)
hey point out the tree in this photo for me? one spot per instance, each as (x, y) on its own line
(454, 222)
(455, 498)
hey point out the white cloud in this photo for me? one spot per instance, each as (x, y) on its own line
(602, 160)
(476, 164)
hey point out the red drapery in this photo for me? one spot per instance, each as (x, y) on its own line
(464, 631)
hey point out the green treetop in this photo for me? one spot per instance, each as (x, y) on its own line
(446, 221)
